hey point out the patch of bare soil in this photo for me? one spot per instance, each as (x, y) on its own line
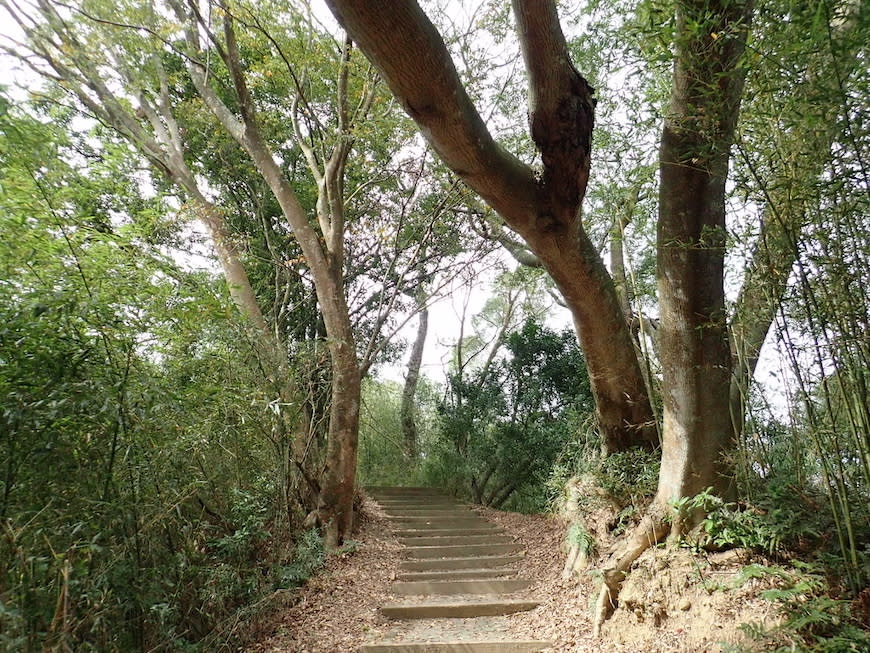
(673, 601)
(691, 599)
(670, 602)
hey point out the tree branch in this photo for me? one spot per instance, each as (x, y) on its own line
(441, 106)
(561, 107)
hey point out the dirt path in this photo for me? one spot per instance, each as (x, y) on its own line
(338, 611)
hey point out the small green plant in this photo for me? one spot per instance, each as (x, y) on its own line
(309, 556)
(624, 520)
(581, 538)
(769, 531)
(704, 501)
(814, 622)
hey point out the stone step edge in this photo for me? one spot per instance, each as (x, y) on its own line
(456, 540)
(457, 574)
(456, 609)
(441, 507)
(448, 532)
(487, 646)
(470, 516)
(459, 551)
(423, 505)
(447, 564)
(466, 587)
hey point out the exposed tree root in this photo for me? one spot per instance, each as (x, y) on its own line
(649, 532)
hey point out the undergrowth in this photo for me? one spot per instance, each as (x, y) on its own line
(813, 621)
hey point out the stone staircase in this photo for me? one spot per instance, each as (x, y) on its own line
(456, 582)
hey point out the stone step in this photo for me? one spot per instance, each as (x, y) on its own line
(432, 505)
(416, 501)
(420, 501)
(484, 529)
(460, 551)
(451, 564)
(490, 646)
(447, 513)
(437, 511)
(457, 574)
(448, 540)
(456, 609)
(458, 587)
(389, 491)
(438, 522)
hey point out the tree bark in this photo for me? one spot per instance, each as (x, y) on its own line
(408, 411)
(411, 56)
(694, 350)
(693, 341)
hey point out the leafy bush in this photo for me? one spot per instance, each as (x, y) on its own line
(141, 500)
(308, 557)
(630, 476)
(777, 522)
(502, 426)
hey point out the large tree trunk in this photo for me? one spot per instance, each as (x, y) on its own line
(412, 58)
(693, 338)
(694, 351)
(336, 496)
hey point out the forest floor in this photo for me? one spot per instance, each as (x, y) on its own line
(672, 601)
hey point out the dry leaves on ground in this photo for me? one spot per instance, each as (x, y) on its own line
(338, 609)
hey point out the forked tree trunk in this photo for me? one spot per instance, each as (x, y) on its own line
(693, 339)
(324, 253)
(545, 210)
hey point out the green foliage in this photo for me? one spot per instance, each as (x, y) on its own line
(141, 501)
(308, 557)
(813, 621)
(629, 476)
(503, 425)
(581, 538)
(771, 527)
(382, 456)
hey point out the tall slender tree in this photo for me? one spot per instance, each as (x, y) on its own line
(143, 69)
